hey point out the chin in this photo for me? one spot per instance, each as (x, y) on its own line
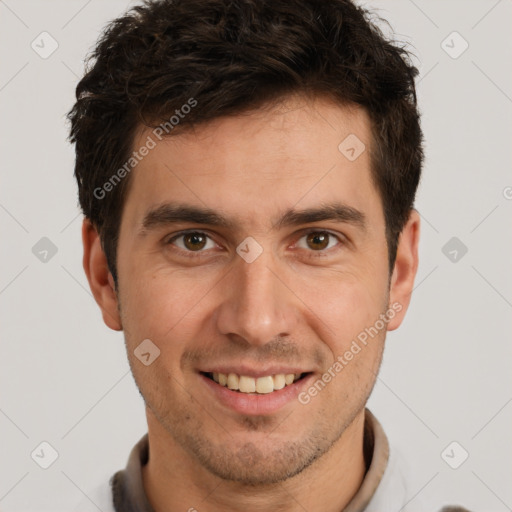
(252, 466)
(258, 463)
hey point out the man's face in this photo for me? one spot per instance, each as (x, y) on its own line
(294, 309)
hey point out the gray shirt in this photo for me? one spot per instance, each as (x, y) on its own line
(384, 487)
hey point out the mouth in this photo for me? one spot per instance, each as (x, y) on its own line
(263, 385)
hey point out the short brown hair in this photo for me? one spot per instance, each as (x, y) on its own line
(232, 56)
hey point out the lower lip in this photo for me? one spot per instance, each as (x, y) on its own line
(256, 404)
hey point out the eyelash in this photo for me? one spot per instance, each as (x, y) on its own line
(315, 254)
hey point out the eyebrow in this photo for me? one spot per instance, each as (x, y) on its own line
(173, 213)
(333, 211)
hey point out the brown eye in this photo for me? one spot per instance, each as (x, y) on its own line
(194, 241)
(318, 240)
(319, 243)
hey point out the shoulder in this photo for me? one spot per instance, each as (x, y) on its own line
(394, 491)
(454, 508)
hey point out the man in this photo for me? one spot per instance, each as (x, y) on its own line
(247, 171)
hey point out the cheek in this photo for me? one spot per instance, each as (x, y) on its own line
(159, 305)
(348, 303)
(352, 309)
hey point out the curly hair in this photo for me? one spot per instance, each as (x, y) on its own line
(230, 57)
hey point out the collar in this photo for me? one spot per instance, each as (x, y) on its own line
(129, 495)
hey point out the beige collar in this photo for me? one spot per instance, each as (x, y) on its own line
(129, 495)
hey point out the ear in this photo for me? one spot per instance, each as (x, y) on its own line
(100, 279)
(404, 271)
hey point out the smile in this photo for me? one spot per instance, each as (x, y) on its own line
(262, 393)
(259, 385)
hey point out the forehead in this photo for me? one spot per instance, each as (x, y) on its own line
(300, 152)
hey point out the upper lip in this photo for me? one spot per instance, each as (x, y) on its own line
(251, 371)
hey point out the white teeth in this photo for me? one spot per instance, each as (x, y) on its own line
(261, 385)
(232, 381)
(288, 378)
(265, 384)
(279, 382)
(246, 384)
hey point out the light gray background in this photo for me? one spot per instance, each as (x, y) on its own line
(64, 376)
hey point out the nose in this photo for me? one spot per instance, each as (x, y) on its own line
(257, 304)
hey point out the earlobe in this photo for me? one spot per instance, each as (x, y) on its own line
(404, 271)
(99, 276)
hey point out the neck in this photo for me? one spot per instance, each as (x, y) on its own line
(174, 480)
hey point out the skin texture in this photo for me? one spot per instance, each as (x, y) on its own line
(294, 305)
